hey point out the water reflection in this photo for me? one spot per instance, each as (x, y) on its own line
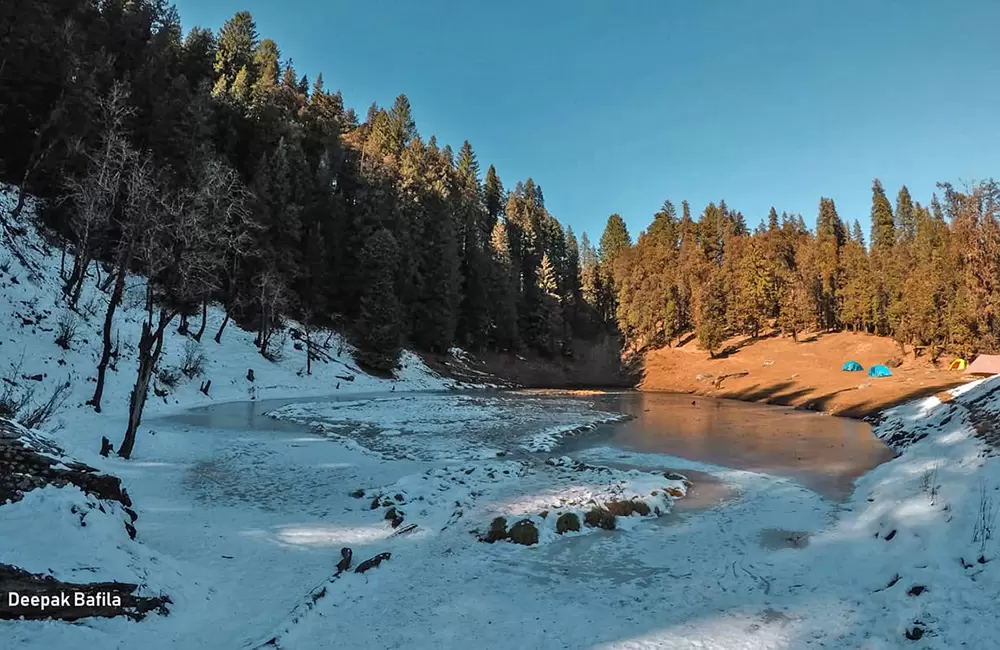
(822, 452)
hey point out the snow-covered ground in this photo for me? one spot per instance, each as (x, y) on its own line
(242, 528)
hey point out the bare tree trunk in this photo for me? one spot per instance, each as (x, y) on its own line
(225, 321)
(309, 355)
(150, 346)
(109, 318)
(263, 335)
(204, 317)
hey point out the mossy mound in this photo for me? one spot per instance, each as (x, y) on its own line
(600, 518)
(497, 532)
(568, 521)
(523, 532)
(626, 508)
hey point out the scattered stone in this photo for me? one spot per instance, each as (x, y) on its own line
(376, 504)
(523, 532)
(600, 518)
(567, 521)
(497, 532)
(891, 534)
(915, 633)
(358, 494)
(394, 516)
(916, 590)
(675, 492)
(544, 514)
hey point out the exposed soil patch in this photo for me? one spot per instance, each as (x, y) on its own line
(806, 374)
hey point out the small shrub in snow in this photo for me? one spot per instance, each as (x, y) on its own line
(193, 364)
(66, 330)
(91, 308)
(40, 415)
(169, 377)
(12, 400)
(982, 531)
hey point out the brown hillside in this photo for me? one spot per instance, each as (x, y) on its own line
(806, 374)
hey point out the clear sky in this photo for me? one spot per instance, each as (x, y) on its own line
(616, 106)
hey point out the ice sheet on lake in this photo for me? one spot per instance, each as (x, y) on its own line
(445, 427)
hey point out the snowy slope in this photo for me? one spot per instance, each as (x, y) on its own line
(33, 305)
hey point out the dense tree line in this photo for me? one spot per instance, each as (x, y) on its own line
(928, 277)
(207, 163)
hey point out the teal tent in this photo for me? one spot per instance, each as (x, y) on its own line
(852, 366)
(879, 371)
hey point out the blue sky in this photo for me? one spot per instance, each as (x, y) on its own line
(614, 107)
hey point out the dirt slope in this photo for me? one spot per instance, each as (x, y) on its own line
(806, 374)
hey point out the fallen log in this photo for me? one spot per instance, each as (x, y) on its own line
(717, 382)
(372, 563)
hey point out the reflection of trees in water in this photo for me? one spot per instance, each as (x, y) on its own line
(825, 453)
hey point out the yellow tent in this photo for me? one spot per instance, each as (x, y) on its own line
(958, 364)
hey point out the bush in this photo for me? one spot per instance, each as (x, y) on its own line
(37, 417)
(169, 377)
(66, 330)
(193, 364)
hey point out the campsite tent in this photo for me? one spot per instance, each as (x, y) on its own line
(852, 366)
(984, 364)
(879, 371)
(958, 364)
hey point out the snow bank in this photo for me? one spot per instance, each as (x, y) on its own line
(477, 493)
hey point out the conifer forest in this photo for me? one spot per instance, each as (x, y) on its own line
(207, 163)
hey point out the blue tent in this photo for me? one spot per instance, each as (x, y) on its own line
(879, 371)
(852, 366)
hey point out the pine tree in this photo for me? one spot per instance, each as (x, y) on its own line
(379, 326)
(883, 243)
(493, 197)
(711, 317)
(754, 290)
(772, 220)
(236, 45)
(830, 238)
(402, 129)
(906, 220)
(502, 292)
